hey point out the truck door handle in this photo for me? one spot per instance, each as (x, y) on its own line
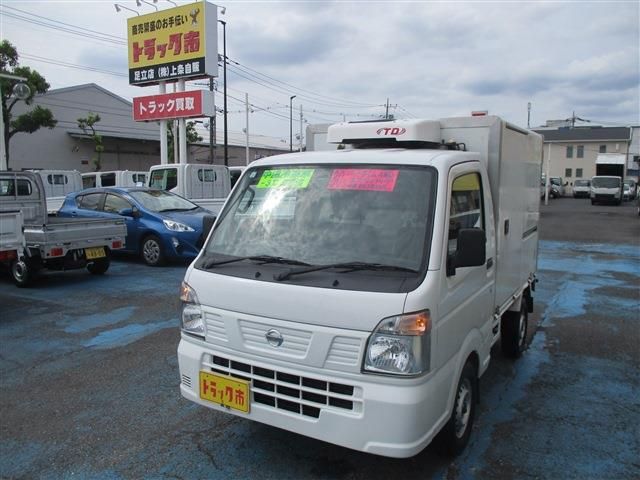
(489, 263)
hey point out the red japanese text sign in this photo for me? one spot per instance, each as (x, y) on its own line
(198, 103)
(173, 43)
(372, 179)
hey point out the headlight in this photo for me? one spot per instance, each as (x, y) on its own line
(400, 345)
(192, 319)
(177, 226)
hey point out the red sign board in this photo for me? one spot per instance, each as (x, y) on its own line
(198, 103)
(372, 179)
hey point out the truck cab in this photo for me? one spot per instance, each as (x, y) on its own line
(205, 185)
(606, 189)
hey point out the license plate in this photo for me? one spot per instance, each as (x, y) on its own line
(226, 391)
(95, 252)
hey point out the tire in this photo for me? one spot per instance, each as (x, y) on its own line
(454, 436)
(151, 251)
(22, 272)
(99, 266)
(513, 332)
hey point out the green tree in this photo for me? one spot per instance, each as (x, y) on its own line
(29, 121)
(192, 137)
(87, 126)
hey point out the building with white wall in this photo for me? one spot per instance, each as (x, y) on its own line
(571, 152)
(128, 145)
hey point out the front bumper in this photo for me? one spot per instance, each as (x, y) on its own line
(182, 244)
(390, 417)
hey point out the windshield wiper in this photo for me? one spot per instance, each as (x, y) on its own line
(348, 266)
(256, 258)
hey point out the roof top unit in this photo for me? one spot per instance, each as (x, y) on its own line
(399, 133)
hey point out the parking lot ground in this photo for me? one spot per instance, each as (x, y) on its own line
(89, 379)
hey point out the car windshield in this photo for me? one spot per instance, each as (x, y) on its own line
(605, 182)
(327, 214)
(161, 201)
(582, 183)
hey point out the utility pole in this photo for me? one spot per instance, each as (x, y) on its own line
(386, 112)
(212, 123)
(246, 102)
(300, 127)
(291, 122)
(528, 114)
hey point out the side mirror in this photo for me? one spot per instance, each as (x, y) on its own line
(470, 252)
(129, 212)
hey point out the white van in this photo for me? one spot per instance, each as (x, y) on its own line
(116, 178)
(353, 296)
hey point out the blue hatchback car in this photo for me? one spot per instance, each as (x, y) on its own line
(160, 225)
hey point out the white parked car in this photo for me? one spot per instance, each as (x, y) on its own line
(581, 188)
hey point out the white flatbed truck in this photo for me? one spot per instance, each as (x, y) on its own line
(374, 280)
(51, 242)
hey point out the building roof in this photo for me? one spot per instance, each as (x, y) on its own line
(586, 134)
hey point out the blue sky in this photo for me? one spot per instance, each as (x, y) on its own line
(344, 59)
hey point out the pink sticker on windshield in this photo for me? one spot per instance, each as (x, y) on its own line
(372, 179)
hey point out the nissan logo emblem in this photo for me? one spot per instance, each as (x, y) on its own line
(274, 337)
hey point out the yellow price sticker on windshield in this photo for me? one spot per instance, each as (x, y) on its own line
(286, 178)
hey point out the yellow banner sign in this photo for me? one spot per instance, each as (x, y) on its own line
(174, 43)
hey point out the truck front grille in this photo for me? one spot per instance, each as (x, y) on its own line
(293, 393)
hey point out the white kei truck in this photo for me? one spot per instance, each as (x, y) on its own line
(55, 243)
(57, 184)
(354, 296)
(205, 185)
(115, 178)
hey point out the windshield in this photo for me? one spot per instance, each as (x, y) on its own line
(161, 201)
(327, 214)
(605, 182)
(582, 183)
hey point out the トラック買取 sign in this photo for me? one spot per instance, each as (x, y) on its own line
(179, 42)
(197, 103)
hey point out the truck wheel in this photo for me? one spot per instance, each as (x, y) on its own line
(99, 266)
(21, 272)
(454, 436)
(152, 253)
(513, 332)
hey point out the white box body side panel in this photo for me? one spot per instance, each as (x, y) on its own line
(514, 161)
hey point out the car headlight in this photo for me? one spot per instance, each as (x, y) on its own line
(400, 345)
(177, 226)
(191, 317)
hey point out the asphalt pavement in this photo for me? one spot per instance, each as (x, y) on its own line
(89, 378)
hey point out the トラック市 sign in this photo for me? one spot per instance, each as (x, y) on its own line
(197, 103)
(180, 42)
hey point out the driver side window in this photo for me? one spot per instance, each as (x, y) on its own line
(114, 203)
(465, 209)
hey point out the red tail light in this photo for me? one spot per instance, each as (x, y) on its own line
(56, 252)
(7, 256)
(116, 244)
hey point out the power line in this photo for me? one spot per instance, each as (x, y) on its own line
(73, 65)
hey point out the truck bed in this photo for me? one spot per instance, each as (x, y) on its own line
(75, 232)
